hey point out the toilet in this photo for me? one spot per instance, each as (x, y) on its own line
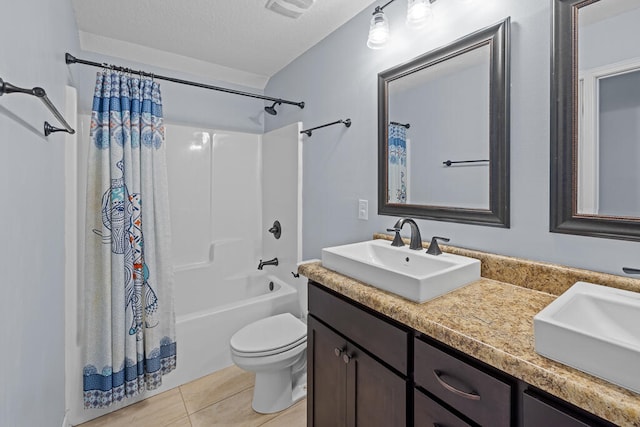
(275, 349)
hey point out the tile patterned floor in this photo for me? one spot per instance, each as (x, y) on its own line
(220, 399)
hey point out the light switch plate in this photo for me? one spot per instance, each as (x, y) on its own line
(363, 209)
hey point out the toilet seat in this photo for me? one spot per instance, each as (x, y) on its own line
(272, 335)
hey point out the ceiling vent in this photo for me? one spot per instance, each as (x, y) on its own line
(289, 8)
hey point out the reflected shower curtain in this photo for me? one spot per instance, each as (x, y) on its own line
(129, 328)
(397, 164)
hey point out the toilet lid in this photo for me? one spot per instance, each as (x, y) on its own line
(272, 333)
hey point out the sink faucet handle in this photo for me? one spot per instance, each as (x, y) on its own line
(397, 240)
(434, 249)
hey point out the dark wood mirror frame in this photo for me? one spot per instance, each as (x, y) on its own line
(564, 136)
(497, 38)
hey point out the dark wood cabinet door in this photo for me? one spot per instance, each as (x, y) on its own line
(326, 377)
(376, 397)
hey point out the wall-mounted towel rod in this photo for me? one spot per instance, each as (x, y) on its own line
(407, 125)
(7, 88)
(346, 122)
(450, 162)
(70, 59)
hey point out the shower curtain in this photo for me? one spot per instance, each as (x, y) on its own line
(397, 164)
(129, 323)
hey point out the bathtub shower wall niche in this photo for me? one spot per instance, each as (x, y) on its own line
(216, 197)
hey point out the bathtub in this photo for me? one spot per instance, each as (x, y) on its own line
(209, 312)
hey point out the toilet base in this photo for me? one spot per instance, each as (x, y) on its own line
(273, 391)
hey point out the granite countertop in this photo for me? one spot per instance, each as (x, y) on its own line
(492, 321)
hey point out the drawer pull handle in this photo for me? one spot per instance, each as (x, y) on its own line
(452, 389)
(346, 358)
(337, 351)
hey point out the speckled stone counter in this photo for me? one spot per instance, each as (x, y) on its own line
(492, 321)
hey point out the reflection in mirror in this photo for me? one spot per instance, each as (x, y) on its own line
(595, 115)
(443, 132)
(609, 109)
(461, 85)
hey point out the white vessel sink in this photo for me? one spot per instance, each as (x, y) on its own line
(595, 329)
(412, 274)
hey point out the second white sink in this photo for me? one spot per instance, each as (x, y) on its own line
(595, 329)
(412, 274)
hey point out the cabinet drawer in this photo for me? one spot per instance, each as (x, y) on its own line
(428, 413)
(379, 337)
(537, 412)
(474, 393)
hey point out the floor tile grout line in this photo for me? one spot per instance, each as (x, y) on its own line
(284, 412)
(218, 401)
(221, 400)
(184, 404)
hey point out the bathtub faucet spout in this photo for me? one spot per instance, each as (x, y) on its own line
(270, 262)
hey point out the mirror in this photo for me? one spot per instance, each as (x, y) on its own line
(595, 111)
(443, 132)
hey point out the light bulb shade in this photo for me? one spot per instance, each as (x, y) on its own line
(418, 13)
(378, 31)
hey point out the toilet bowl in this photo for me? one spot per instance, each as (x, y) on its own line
(275, 349)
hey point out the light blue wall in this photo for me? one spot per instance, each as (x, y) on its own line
(34, 37)
(337, 79)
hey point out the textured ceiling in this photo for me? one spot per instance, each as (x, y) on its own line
(240, 34)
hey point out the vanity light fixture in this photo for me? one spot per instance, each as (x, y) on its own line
(418, 15)
(378, 29)
(290, 8)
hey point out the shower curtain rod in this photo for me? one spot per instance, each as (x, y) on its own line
(70, 59)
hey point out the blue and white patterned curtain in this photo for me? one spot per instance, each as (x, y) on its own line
(129, 318)
(397, 168)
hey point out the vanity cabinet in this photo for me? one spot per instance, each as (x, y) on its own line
(351, 379)
(365, 369)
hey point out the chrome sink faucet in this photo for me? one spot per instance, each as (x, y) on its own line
(416, 239)
(270, 262)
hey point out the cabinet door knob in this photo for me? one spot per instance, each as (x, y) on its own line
(346, 358)
(471, 396)
(337, 351)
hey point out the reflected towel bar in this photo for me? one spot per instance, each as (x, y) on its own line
(7, 88)
(450, 162)
(346, 122)
(407, 125)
